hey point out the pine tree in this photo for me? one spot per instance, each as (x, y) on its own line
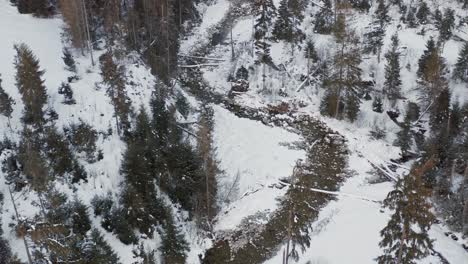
(461, 67)
(423, 13)
(433, 77)
(430, 48)
(69, 60)
(343, 84)
(404, 136)
(374, 39)
(30, 85)
(310, 52)
(381, 13)
(363, 5)
(287, 24)
(67, 92)
(447, 25)
(114, 77)
(392, 84)
(265, 11)
(411, 18)
(173, 246)
(6, 102)
(97, 251)
(401, 241)
(324, 20)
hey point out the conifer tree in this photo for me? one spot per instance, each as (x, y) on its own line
(411, 18)
(30, 85)
(264, 11)
(433, 75)
(374, 39)
(430, 48)
(447, 24)
(114, 77)
(324, 20)
(287, 24)
(381, 13)
(392, 84)
(173, 245)
(423, 13)
(461, 67)
(404, 136)
(67, 92)
(69, 60)
(401, 241)
(97, 251)
(343, 84)
(6, 102)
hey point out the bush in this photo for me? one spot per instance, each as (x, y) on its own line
(83, 138)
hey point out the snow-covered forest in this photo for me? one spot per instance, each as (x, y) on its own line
(233, 131)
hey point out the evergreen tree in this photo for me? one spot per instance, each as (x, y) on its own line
(265, 11)
(67, 92)
(114, 77)
(432, 79)
(440, 111)
(139, 196)
(30, 85)
(404, 136)
(97, 251)
(174, 246)
(447, 25)
(69, 60)
(6, 102)
(324, 20)
(411, 18)
(461, 67)
(287, 24)
(310, 52)
(377, 105)
(381, 13)
(392, 84)
(374, 39)
(430, 49)
(343, 85)
(423, 13)
(363, 5)
(401, 241)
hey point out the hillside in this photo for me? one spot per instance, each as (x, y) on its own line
(233, 131)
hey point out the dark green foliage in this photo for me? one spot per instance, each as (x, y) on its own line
(374, 39)
(377, 105)
(174, 246)
(401, 241)
(287, 24)
(6, 102)
(440, 111)
(97, 251)
(182, 105)
(5, 250)
(446, 25)
(39, 8)
(264, 11)
(67, 93)
(411, 18)
(344, 83)
(310, 52)
(83, 138)
(404, 136)
(461, 67)
(392, 84)
(30, 85)
(324, 20)
(381, 13)
(423, 13)
(113, 76)
(363, 5)
(144, 257)
(242, 73)
(69, 60)
(423, 61)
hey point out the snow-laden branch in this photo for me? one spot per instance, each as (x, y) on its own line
(386, 173)
(199, 57)
(199, 65)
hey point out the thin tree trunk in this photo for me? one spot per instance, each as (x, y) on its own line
(17, 218)
(402, 241)
(465, 209)
(90, 47)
